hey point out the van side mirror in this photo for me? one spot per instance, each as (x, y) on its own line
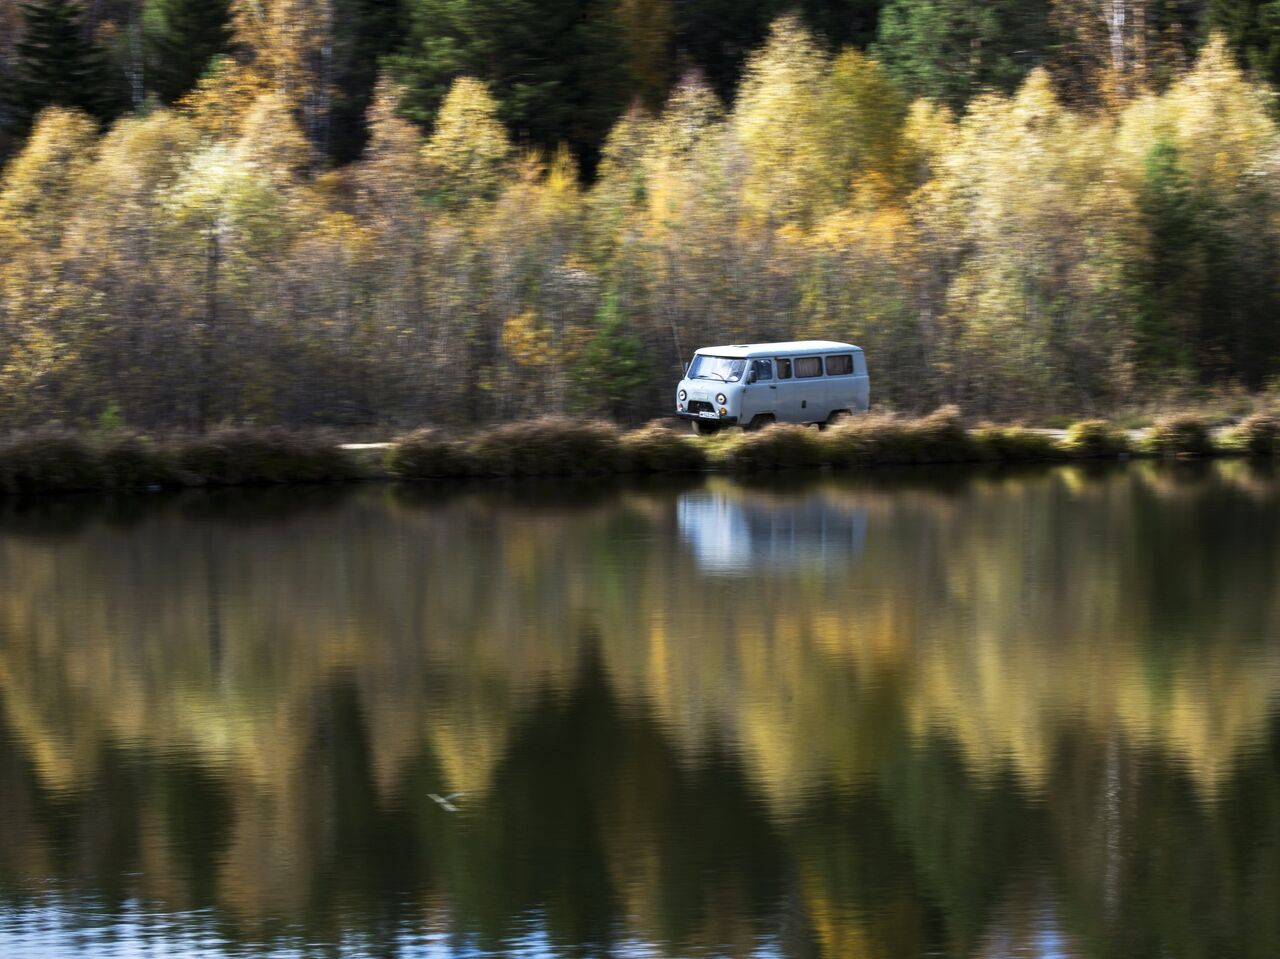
(686, 368)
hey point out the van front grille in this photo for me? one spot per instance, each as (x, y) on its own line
(699, 406)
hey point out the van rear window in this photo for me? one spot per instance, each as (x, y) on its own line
(808, 366)
(841, 365)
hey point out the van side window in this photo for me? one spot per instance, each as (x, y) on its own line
(763, 369)
(808, 366)
(784, 369)
(840, 365)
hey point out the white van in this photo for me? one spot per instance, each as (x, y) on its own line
(806, 381)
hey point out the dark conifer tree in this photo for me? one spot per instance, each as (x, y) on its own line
(950, 50)
(558, 68)
(56, 64)
(365, 32)
(1252, 27)
(189, 34)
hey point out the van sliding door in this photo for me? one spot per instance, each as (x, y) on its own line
(810, 389)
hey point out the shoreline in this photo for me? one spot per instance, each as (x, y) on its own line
(48, 462)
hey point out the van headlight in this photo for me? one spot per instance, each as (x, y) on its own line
(720, 398)
(683, 396)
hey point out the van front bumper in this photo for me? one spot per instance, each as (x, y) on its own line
(723, 420)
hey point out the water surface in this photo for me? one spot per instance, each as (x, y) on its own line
(923, 714)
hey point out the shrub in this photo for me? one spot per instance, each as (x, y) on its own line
(1015, 444)
(939, 437)
(1095, 439)
(550, 446)
(130, 461)
(1259, 434)
(1183, 434)
(780, 446)
(248, 457)
(658, 449)
(864, 440)
(48, 461)
(426, 454)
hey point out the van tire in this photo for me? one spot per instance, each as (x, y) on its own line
(760, 421)
(704, 429)
(835, 417)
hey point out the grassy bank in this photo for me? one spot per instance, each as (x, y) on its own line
(61, 461)
(560, 447)
(54, 461)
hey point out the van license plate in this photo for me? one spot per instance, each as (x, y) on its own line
(709, 414)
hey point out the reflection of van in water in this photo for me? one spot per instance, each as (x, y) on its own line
(806, 381)
(734, 532)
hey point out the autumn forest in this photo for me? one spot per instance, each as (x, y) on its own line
(377, 213)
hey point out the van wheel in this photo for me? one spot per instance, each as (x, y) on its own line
(759, 422)
(835, 417)
(705, 429)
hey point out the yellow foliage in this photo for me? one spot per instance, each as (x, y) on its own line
(38, 194)
(271, 140)
(528, 341)
(221, 100)
(778, 117)
(469, 152)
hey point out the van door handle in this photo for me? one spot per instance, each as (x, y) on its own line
(773, 387)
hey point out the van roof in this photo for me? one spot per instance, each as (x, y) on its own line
(746, 350)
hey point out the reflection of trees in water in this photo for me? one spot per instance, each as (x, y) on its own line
(919, 768)
(597, 824)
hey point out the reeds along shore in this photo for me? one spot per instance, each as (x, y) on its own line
(63, 461)
(58, 461)
(553, 446)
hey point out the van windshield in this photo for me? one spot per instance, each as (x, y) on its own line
(722, 368)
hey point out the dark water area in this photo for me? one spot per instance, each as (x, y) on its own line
(934, 713)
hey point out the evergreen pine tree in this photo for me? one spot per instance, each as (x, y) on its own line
(1252, 27)
(365, 31)
(56, 64)
(950, 50)
(558, 68)
(188, 34)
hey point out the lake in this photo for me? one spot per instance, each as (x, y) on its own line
(955, 713)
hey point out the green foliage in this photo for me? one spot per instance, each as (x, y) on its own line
(613, 367)
(1175, 274)
(1095, 439)
(111, 419)
(949, 50)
